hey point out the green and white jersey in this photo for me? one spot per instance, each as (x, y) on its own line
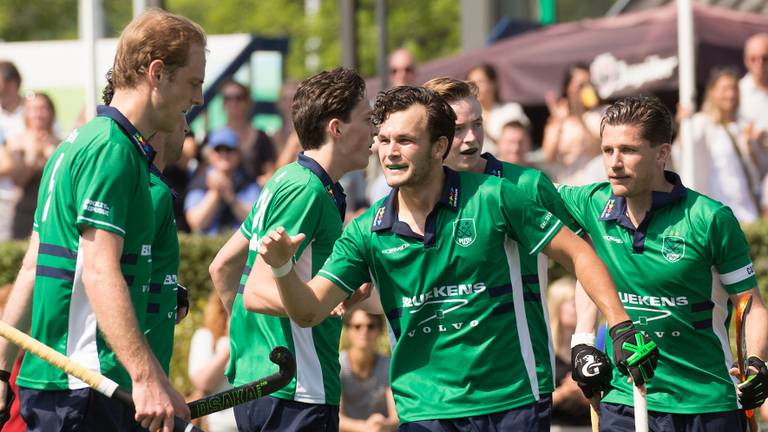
(97, 178)
(674, 274)
(453, 297)
(302, 198)
(539, 188)
(161, 306)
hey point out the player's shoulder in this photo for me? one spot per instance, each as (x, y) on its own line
(524, 176)
(292, 177)
(600, 191)
(704, 210)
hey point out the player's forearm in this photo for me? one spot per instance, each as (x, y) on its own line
(597, 283)
(201, 216)
(586, 311)
(261, 294)
(226, 270)
(756, 334)
(300, 302)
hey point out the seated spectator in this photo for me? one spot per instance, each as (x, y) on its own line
(30, 151)
(208, 358)
(514, 143)
(221, 193)
(733, 172)
(259, 153)
(572, 133)
(569, 406)
(495, 112)
(367, 404)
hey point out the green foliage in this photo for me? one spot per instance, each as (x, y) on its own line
(21, 20)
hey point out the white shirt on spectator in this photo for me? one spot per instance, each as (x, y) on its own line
(201, 352)
(12, 122)
(753, 103)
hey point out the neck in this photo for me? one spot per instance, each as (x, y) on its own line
(422, 198)
(134, 105)
(10, 102)
(332, 165)
(639, 205)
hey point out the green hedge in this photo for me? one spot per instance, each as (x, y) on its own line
(197, 252)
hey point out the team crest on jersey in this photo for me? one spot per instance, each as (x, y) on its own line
(673, 248)
(464, 232)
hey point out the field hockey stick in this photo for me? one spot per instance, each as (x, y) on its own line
(95, 380)
(248, 392)
(641, 409)
(742, 309)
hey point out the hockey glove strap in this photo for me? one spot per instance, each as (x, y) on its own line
(755, 389)
(634, 353)
(5, 413)
(591, 369)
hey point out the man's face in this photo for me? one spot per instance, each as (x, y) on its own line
(513, 145)
(406, 154)
(630, 162)
(402, 69)
(468, 138)
(237, 102)
(756, 59)
(356, 136)
(179, 91)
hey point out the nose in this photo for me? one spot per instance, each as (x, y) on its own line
(197, 97)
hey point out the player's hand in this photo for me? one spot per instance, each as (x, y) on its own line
(634, 353)
(182, 302)
(6, 397)
(753, 392)
(591, 369)
(157, 402)
(277, 247)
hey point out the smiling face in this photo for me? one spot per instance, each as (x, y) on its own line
(407, 155)
(632, 165)
(178, 91)
(468, 139)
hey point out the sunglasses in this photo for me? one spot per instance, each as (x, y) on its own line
(234, 97)
(358, 327)
(223, 149)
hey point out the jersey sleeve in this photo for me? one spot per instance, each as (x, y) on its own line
(297, 208)
(575, 200)
(547, 197)
(526, 221)
(104, 181)
(731, 252)
(347, 267)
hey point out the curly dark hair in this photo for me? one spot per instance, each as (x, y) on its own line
(109, 90)
(647, 113)
(321, 97)
(441, 120)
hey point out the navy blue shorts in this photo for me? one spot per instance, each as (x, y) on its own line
(74, 410)
(531, 417)
(274, 414)
(618, 418)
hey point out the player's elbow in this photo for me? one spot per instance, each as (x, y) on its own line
(306, 320)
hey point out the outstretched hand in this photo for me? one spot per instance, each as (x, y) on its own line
(277, 247)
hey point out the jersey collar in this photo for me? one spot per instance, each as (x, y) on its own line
(493, 166)
(128, 128)
(385, 218)
(335, 191)
(615, 209)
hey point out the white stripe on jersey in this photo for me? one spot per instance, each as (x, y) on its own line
(526, 347)
(98, 222)
(81, 327)
(737, 275)
(542, 264)
(546, 237)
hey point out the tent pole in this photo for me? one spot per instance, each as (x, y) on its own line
(691, 162)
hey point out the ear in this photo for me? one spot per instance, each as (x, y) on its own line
(155, 72)
(333, 128)
(441, 146)
(665, 151)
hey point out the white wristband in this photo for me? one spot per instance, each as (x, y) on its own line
(283, 270)
(583, 339)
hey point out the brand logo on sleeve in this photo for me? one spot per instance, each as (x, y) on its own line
(464, 232)
(673, 248)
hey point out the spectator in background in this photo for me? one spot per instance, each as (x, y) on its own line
(221, 193)
(514, 143)
(258, 152)
(402, 68)
(495, 112)
(753, 87)
(569, 406)
(367, 404)
(29, 152)
(11, 106)
(571, 135)
(208, 357)
(734, 171)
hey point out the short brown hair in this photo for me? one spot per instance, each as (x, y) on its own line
(154, 35)
(9, 73)
(452, 90)
(645, 112)
(321, 97)
(441, 120)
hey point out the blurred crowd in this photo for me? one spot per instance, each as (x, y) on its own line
(220, 177)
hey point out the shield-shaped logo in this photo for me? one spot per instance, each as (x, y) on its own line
(464, 232)
(673, 248)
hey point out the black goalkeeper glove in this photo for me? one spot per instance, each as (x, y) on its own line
(182, 302)
(633, 352)
(591, 369)
(754, 390)
(5, 413)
